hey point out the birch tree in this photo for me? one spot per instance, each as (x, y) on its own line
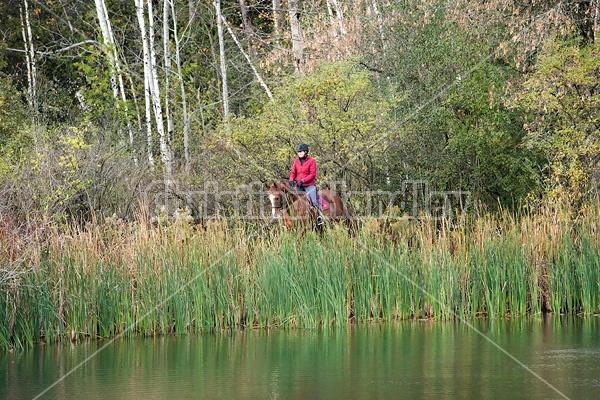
(116, 77)
(340, 16)
(239, 45)
(167, 63)
(186, 122)
(217, 5)
(297, 49)
(332, 21)
(277, 19)
(151, 79)
(139, 8)
(380, 25)
(108, 46)
(596, 14)
(29, 58)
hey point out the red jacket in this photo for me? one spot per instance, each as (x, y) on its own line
(305, 172)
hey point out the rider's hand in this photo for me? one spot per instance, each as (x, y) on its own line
(292, 183)
(300, 184)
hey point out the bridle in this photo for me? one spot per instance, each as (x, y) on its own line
(282, 201)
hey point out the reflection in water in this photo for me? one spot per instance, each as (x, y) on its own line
(422, 359)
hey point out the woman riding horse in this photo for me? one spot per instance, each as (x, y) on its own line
(304, 172)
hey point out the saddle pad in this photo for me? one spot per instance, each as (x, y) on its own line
(324, 204)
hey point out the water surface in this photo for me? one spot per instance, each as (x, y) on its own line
(412, 360)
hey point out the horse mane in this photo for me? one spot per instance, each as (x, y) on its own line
(287, 189)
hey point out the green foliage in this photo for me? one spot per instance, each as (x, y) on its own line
(14, 140)
(563, 97)
(54, 174)
(335, 110)
(69, 177)
(99, 98)
(456, 130)
(484, 151)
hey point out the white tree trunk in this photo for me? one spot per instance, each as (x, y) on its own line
(380, 24)
(296, 32)
(121, 84)
(596, 20)
(186, 122)
(340, 15)
(239, 45)
(82, 106)
(167, 60)
(108, 46)
(217, 5)
(332, 21)
(29, 58)
(165, 152)
(277, 19)
(139, 8)
(116, 77)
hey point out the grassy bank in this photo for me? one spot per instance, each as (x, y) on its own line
(99, 281)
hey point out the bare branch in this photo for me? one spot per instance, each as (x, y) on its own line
(49, 53)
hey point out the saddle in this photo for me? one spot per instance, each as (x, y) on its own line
(322, 202)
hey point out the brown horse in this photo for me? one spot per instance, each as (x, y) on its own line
(295, 208)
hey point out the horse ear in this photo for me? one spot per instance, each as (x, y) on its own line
(267, 185)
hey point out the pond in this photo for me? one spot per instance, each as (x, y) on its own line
(541, 358)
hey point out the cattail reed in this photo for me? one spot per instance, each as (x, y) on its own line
(138, 279)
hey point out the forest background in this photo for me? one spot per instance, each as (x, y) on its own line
(100, 99)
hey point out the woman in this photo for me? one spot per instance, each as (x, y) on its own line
(304, 172)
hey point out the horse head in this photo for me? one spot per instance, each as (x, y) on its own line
(281, 194)
(277, 198)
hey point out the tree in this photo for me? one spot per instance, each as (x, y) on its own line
(453, 125)
(222, 57)
(30, 59)
(139, 5)
(563, 97)
(296, 34)
(186, 121)
(335, 109)
(115, 66)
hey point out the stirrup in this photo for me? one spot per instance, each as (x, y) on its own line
(319, 220)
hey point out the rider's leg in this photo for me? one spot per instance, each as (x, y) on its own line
(312, 194)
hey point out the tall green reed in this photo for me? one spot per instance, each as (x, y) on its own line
(140, 279)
